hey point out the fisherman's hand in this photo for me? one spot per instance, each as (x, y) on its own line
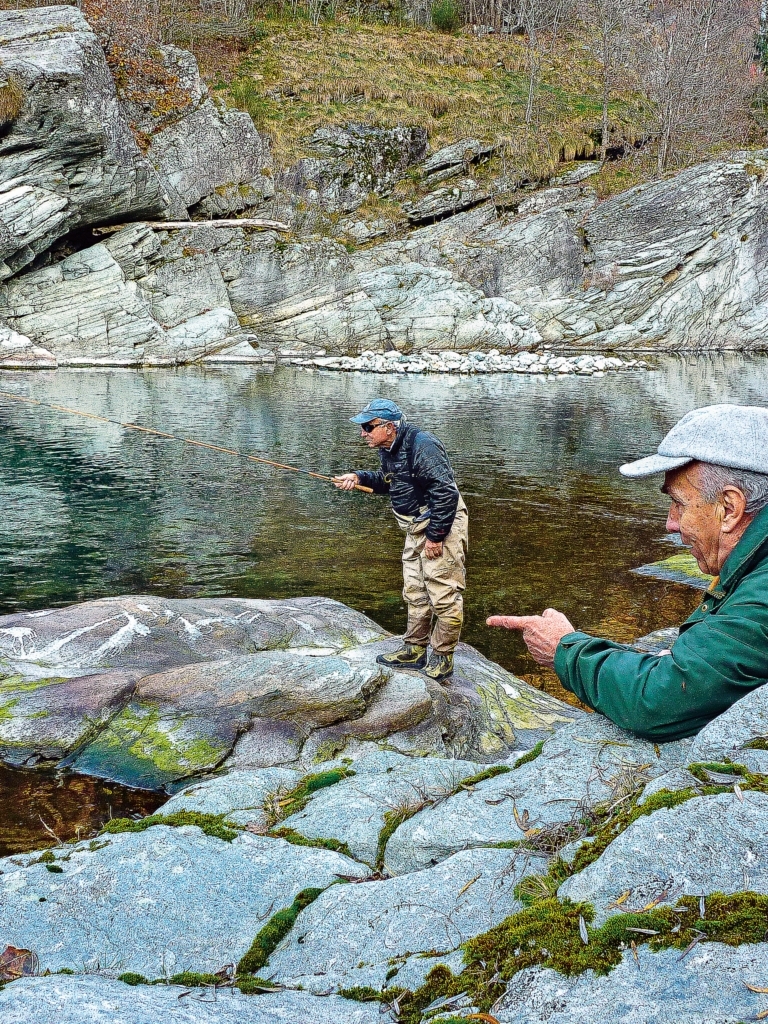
(541, 633)
(433, 549)
(346, 482)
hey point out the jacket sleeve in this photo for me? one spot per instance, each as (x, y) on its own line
(713, 663)
(372, 478)
(433, 472)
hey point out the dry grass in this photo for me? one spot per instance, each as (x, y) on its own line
(11, 100)
(296, 78)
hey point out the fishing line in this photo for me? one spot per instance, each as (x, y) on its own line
(175, 437)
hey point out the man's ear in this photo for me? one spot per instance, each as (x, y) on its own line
(734, 505)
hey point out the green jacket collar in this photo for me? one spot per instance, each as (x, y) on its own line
(751, 549)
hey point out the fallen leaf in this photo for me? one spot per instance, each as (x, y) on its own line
(656, 748)
(17, 963)
(494, 802)
(622, 899)
(483, 1016)
(738, 792)
(633, 944)
(583, 931)
(755, 988)
(762, 1015)
(643, 931)
(470, 883)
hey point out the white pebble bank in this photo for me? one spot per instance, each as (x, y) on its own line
(465, 362)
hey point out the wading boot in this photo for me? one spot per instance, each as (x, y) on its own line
(407, 656)
(440, 667)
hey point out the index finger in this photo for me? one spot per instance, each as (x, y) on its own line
(511, 621)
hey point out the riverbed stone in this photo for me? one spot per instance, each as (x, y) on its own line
(354, 934)
(42, 719)
(157, 901)
(708, 987)
(249, 684)
(707, 844)
(581, 765)
(384, 783)
(94, 999)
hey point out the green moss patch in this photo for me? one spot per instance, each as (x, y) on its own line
(531, 755)
(488, 773)
(392, 821)
(274, 931)
(292, 836)
(131, 978)
(296, 799)
(211, 824)
(759, 743)
(549, 934)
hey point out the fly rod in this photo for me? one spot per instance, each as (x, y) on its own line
(175, 437)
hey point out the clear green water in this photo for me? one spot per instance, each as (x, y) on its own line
(93, 510)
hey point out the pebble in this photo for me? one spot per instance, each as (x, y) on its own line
(474, 362)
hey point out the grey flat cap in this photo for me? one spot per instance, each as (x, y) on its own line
(725, 435)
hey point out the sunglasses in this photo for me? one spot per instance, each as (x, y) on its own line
(368, 428)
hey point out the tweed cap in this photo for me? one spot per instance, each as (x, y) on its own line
(724, 435)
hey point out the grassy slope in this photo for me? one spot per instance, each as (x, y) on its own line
(293, 78)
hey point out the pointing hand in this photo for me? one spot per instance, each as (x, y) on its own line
(541, 633)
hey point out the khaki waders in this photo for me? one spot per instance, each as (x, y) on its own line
(433, 588)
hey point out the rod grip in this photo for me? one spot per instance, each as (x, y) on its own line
(365, 490)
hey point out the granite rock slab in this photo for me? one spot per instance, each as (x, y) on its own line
(580, 765)
(708, 987)
(162, 900)
(354, 934)
(707, 844)
(93, 999)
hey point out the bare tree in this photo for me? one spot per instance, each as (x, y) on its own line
(610, 22)
(540, 20)
(695, 60)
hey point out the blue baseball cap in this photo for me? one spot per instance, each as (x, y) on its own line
(379, 409)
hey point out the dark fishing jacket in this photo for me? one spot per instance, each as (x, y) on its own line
(720, 655)
(415, 473)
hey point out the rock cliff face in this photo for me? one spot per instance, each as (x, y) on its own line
(469, 264)
(592, 870)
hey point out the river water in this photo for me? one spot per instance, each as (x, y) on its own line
(95, 510)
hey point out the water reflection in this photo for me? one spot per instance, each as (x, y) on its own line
(97, 510)
(45, 808)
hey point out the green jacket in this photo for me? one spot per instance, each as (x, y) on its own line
(720, 655)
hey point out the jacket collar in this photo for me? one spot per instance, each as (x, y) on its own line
(402, 430)
(749, 552)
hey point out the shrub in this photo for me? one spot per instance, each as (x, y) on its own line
(446, 15)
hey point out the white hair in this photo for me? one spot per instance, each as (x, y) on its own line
(754, 486)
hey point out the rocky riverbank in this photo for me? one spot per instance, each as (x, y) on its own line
(505, 265)
(351, 844)
(472, 362)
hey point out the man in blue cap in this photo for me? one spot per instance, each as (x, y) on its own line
(417, 476)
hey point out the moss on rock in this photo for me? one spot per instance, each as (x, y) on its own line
(211, 824)
(274, 931)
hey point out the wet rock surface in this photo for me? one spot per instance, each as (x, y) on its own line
(148, 691)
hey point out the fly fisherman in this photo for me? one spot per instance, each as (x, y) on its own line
(416, 474)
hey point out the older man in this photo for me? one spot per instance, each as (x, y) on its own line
(417, 475)
(715, 462)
